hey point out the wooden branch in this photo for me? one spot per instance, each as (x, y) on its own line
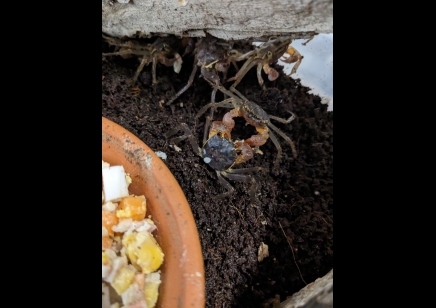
(225, 19)
(317, 294)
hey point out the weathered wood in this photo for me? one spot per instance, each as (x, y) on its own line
(318, 294)
(226, 19)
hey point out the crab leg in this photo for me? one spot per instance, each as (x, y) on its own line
(241, 57)
(279, 149)
(278, 131)
(230, 189)
(241, 73)
(223, 104)
(188, 135)
(244, 170)
(153, 69)
(241, 178)
(210, 117)
(227, 92)
(115, 42)
(259, 74)
(291, 118)
(144, 61)
(190, 81)
(118, 53)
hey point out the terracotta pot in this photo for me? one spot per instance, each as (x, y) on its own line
(182, 272)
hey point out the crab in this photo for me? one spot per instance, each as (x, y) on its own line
(255, 116)
(264, 55)
(221, 153)
(212, 56)
(164, 50)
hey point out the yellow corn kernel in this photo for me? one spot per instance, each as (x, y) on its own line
(133, 207)
(143, 251)
(123, 280)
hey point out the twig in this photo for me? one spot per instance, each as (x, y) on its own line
(292, 250)
(238, 213)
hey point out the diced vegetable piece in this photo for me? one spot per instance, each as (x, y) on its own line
(115, 185)
(123, 280)
(143, 251)
(151, 290)
(133, 207)
(108, 220)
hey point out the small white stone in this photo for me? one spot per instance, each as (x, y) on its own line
(175, 147)
(207, 160)
(161, 154)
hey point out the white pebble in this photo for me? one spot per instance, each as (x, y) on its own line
(207, 160)
(161, 154)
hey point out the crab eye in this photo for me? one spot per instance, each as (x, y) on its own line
(269, 53)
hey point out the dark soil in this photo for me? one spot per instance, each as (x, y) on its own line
(296, 200)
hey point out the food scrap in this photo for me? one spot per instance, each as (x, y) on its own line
(131, 256)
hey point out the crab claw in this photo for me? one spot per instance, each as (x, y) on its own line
(272, 73)
(177, 65)
(294, 55)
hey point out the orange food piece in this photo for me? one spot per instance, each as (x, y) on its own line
(106, 242)
(133, 207)
(108, 220)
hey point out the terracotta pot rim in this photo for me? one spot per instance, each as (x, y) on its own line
(167, 190)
